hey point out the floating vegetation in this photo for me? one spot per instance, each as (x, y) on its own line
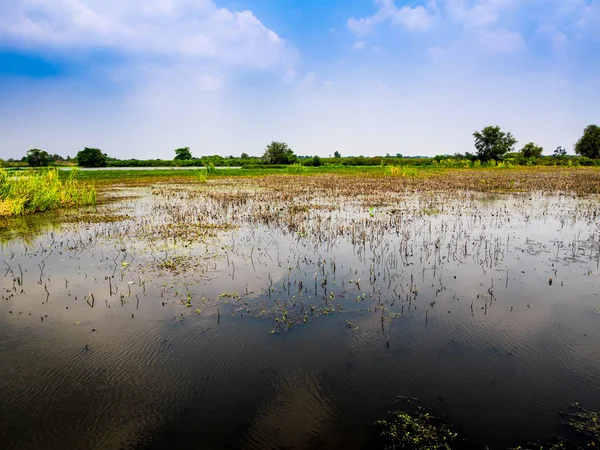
(586, 424)
(412, 426)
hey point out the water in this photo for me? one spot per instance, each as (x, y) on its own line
(227, 317)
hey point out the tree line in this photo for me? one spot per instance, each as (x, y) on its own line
(492, 144)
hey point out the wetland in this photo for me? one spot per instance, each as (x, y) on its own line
(277, 310)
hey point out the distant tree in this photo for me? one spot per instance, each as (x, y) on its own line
(399, 155)
(336, 154)
(244, 156)
(317, 161)
(91, 157)
(560, 151)
(38, 158)
(493, 143)
(589, 144)
(279, 153)
(183, 153)
(531, 151)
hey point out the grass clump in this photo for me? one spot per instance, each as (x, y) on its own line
(401, 171)
(296, 168)
(30, 191)
(202, 176)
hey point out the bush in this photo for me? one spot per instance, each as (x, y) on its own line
(38, 158)
(91, 157)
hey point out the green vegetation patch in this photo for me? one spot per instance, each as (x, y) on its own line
(30, 191)
(412, 426)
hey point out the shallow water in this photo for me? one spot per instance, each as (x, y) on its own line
(224, 318)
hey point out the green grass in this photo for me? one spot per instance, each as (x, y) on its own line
(30, 191)
(399, 173)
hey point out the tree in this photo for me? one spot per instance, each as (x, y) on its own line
(589, 144)
(493, 143)
(317, 161)
(183, 153)
(531, 151)
(91, 157)
(279, 153)
(336, 154)
(560, 151)
(38, 158)
(244, 156)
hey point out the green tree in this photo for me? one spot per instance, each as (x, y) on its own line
(183, 153)
(589, 144)
(244, 156)
(336, 154)
(316, 162)
(560, 151)
(279, 153)
(531, 151)
(91, 157)
(493, 143)
(38, 158)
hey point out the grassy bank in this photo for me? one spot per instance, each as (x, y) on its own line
(30, 191)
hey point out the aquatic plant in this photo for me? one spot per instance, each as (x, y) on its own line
(30, 191)
(415, 428)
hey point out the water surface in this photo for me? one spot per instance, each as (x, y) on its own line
(223, 317)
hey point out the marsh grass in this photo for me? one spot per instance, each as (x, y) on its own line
(296, 168)
(201, 176)
(30, 191)
(402, 171)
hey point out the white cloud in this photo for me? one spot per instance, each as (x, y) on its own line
(359, 45)
(309, 80)
(476, 24)
(418, 18)
(189, 30)
(556, 38)
(590, 20)
(501, 41)
(209, 82)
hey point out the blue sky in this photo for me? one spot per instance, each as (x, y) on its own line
(140, 78)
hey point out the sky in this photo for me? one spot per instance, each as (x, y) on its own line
(138, 79)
